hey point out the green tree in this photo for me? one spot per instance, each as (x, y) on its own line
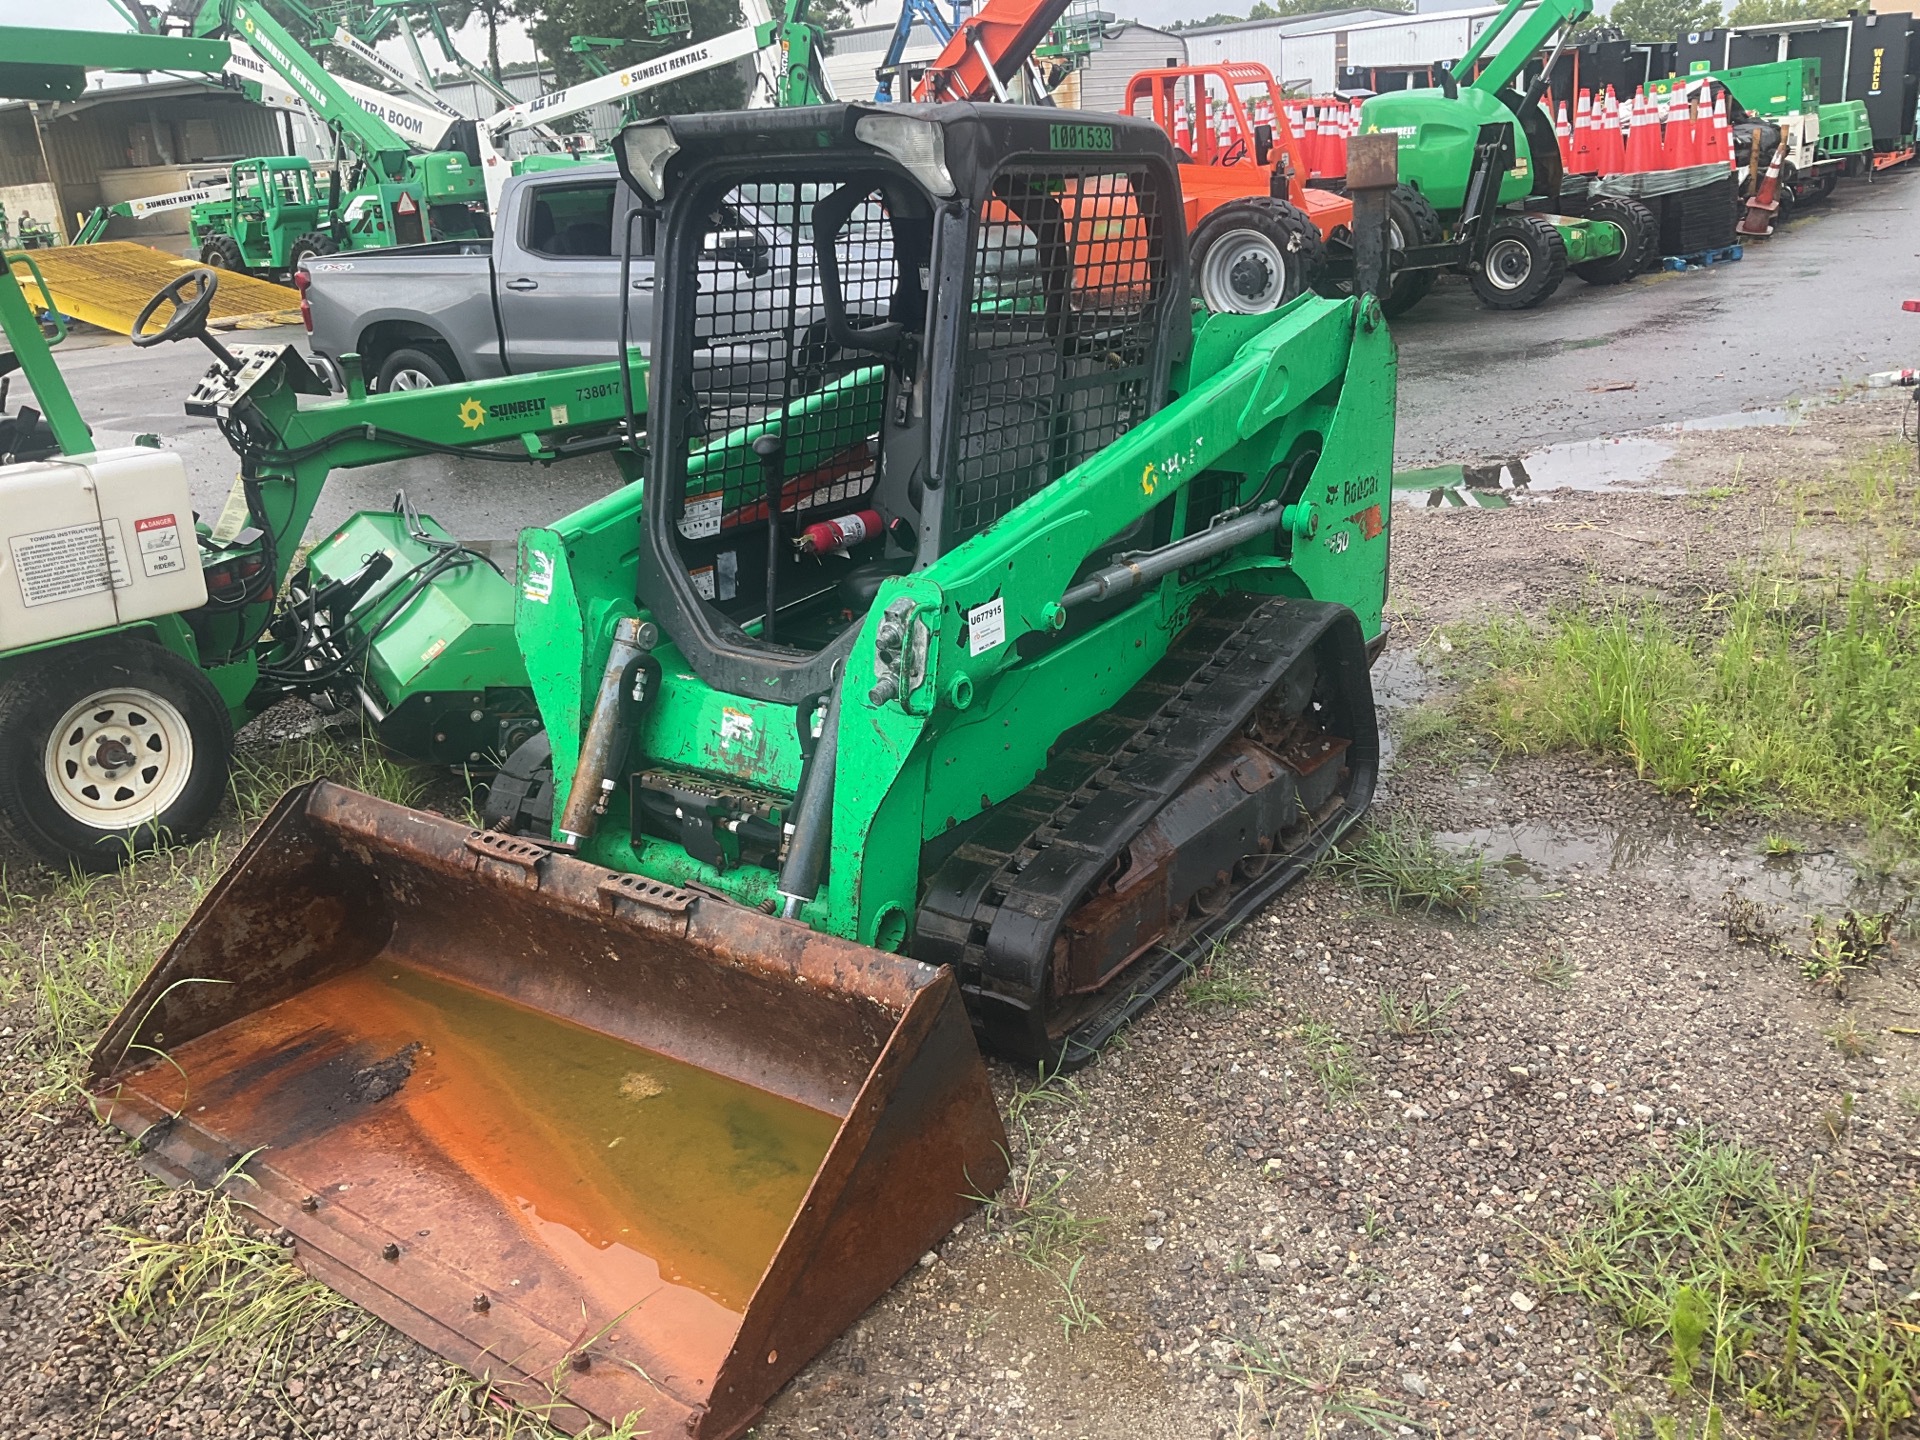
(1772, 12)
(552, 23)
(1655, 20)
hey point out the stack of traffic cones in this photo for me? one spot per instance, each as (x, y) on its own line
(1182, 126)
(1765, 204)
(1563, 133)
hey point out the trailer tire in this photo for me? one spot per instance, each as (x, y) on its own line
(1524, 262)
(1640, 234)
(310, 246)
(414, 367)
(109, 749)
(1255, 255)
(222, 252)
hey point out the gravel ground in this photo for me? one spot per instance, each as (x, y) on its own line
(1287, 1217)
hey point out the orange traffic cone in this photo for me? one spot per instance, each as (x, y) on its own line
(1765, 204)
(1182, 127)
(1643, 138)
(1672, 132)
(1581, 157)
(1563, 133)
(1614, 133)
(1721, 152)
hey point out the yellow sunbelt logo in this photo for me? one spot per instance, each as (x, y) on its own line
(472, 414)
(1149, 479)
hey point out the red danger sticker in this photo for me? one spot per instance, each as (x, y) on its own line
(156, 522)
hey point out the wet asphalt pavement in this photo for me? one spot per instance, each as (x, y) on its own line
(1804, 313)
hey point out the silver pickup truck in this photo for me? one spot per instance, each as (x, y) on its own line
(538, 296)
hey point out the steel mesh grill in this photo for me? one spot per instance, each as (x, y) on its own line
(1068, 267)
(760, 348)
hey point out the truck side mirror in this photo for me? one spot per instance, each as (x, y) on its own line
(744, 248)
(1262, 144)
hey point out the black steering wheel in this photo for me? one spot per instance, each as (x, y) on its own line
(189, 318)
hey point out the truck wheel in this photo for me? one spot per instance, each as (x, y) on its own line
(413, 368)
(310, 245)
(108, 750)
(222, 252)
(1254, 255)
(1524, 262)
(1415, 222)
(1640, 237)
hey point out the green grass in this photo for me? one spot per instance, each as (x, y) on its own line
(1314, 1398)
(1222, 983)
(1781, 847)
(78, 949)
(1410, 1017)
(1030, 1212)
(222, 1291)
(1734, 1276)
(1399, 862)
(1803, 695)
(1329, 1057)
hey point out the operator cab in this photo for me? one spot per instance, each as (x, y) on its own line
(885, 327)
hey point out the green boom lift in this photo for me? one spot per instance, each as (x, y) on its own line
(277, 214)
(980, 633)
(1483, 153)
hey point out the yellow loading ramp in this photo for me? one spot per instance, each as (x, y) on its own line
(108, 284)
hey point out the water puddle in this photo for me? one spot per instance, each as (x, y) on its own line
(1676, 855)
(1618, 463)
(1606, 465)
(1792, 413)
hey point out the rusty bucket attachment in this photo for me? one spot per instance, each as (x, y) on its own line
(620, 1147)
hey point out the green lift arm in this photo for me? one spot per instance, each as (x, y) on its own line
(370, 138)
(1506, 62)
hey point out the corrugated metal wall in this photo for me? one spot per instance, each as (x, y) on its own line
(129, 129)
(1128, 50)
(1422, 39)
(19, 151)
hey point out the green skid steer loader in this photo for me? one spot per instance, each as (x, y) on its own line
(976, 639)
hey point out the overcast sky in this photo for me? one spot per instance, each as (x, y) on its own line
(514, 46)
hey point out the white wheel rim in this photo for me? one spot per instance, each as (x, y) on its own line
(119, 759)
(1509, 263)
(1244, 273)
(410, 380)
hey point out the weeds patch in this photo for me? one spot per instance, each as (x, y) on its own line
(1411, 1017)
(1738, 1278)
(1801, 694)
(1836, 950)
(1399, 862)
(1222, 983)
(1329, 1057)
(1030, 1212)
(220, 1289)
(1320, 1396)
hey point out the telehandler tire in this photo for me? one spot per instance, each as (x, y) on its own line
(1524, 262)
(1254, 255)
(222, 252)
(108, 750)
(1641, 235)
(310, 246)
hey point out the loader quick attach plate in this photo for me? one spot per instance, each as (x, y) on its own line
(1158, 827)
(621, 1148)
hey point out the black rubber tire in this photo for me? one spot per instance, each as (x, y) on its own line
(44, 688)
(1258, 223)
(222, 252)
(1419, 224)
(426, 362)
(1511, 240)
(1641, 235)
(310, 245)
